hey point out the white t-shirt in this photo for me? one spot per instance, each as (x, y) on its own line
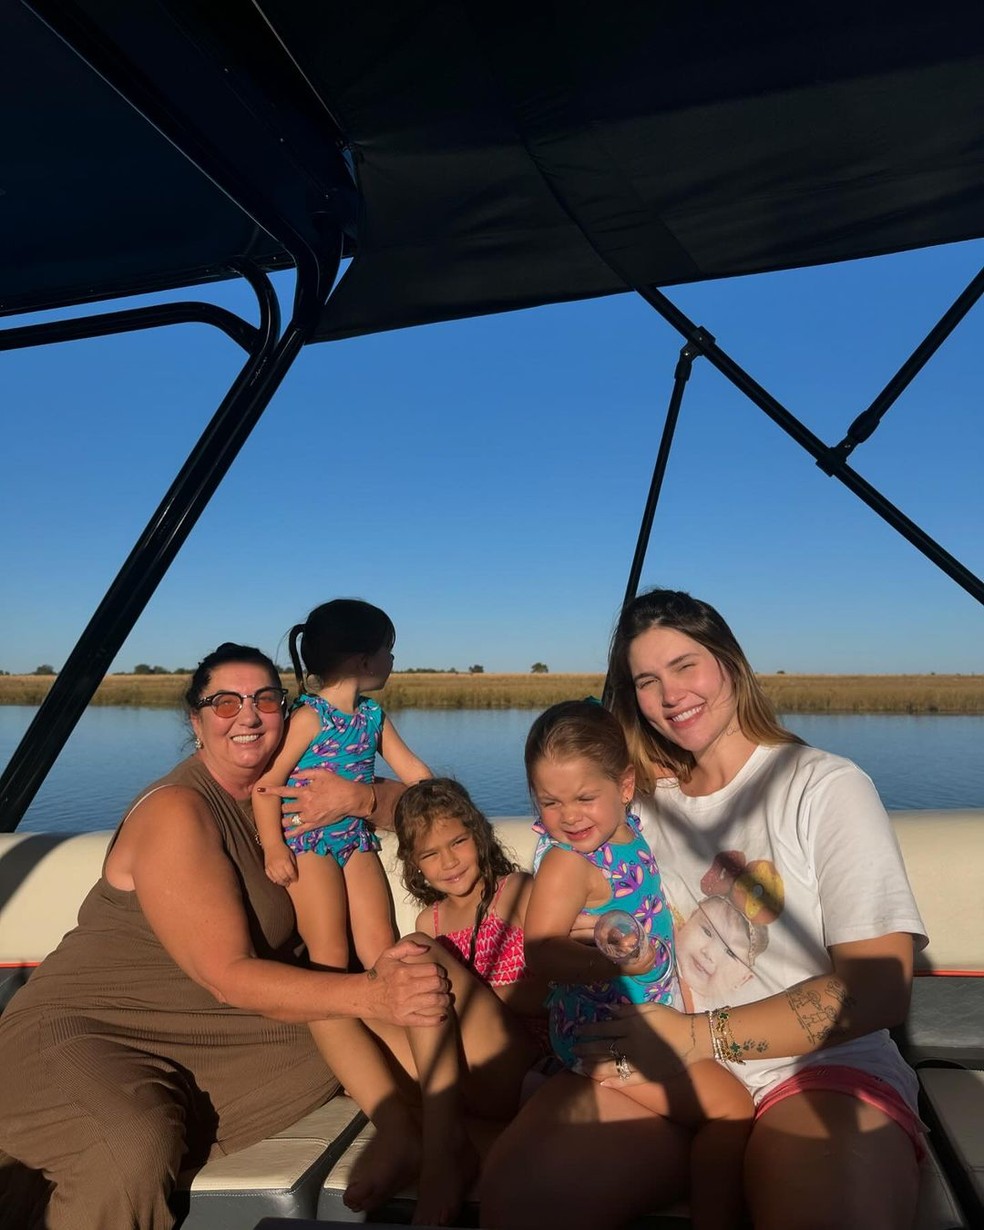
(795, 854)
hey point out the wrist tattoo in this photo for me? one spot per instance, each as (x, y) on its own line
(692, 1048)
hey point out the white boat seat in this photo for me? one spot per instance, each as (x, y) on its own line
(278, 1177)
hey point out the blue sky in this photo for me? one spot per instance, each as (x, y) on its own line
(483, 480)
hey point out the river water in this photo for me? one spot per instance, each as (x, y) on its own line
(926, 761)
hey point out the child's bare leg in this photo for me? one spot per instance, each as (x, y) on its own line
(392, 1159)
(497, 1046)
(709, 1099)
(370, 907)
(717, 1156)
(473, 1063)
(348, 1048)
(321, 906)
(449, 1164)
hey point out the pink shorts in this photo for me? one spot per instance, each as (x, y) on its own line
(838, 1078)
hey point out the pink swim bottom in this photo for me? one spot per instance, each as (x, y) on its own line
(838, 1078)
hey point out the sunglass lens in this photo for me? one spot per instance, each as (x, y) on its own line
(268, 700)
(227, 704)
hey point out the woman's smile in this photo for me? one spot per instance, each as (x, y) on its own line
(681, 688)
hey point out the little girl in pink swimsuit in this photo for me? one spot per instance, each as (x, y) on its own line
(476, 898)
(488, 1054)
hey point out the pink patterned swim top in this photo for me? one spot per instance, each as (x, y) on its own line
(499, 958)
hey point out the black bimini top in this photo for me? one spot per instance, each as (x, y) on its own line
(482, 155)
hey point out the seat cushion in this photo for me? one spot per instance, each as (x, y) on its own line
(277, 1177)
(953, 1101)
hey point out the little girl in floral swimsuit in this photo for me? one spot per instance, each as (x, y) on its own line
(582, 782)
(333, 873)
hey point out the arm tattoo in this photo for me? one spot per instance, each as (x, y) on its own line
(820, 1010)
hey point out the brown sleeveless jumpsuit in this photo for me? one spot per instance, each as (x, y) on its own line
(118, 1071)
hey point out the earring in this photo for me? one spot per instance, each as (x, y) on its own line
(198, 744)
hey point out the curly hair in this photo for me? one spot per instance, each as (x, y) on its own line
(442, 798)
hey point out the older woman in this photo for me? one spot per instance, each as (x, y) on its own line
(168, 1025)
(742, 812)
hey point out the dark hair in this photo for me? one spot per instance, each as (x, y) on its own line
(577, 728)
(227, 652)
(442, 798)
(335, 632)
(669, 608)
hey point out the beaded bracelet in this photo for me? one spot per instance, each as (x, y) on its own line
(716, 1048)
(726, 1049)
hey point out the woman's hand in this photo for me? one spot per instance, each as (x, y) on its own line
(407, 987)
(656, 1041)
(325, 797)
(322, 799)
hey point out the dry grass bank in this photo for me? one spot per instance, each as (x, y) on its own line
(790, 693)
(876, 693)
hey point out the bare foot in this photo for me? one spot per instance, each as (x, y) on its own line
(446, 1177)
(389, 1162)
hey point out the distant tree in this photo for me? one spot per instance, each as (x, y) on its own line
(143, 668)
(780, 672)
(45, 670)
(159, 670)
(476, 670)
(539, 668)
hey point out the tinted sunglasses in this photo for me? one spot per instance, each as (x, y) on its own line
(228, 704)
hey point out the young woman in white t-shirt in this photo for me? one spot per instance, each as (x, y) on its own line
(786, 856)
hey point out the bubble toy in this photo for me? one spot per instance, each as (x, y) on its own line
(619, 936)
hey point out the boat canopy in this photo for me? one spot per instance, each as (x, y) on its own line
(465, 147)
(455, 158)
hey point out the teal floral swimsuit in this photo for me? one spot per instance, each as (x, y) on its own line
(347, 745)
(631, 871)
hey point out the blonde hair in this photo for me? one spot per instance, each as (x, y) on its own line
(574, 729)
(650, 751)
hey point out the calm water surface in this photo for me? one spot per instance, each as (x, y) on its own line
(915, 762)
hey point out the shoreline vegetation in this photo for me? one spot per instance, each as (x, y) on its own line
(915, 694)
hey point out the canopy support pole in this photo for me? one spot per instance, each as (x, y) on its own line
(114, 618)
(105, 324)
(691, 351)
(865, 424)
(546, 124)
(824, 456)
(309, 229)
